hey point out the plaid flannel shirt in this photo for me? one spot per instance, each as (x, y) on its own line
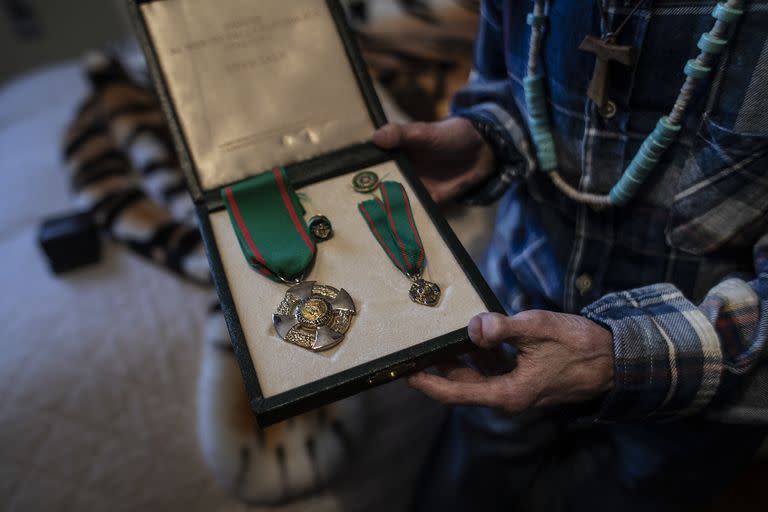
(680, 275)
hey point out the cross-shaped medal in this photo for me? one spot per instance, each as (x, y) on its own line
(606, 51)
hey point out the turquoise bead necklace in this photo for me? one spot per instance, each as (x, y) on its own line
(711, 44)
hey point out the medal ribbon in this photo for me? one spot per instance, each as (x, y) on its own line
(268, 219)
(391, 222)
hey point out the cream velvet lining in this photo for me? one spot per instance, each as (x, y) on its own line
(256, 83)
(386, 320)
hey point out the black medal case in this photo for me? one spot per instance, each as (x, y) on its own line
(248, 85)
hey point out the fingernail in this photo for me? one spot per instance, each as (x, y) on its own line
(475, 328)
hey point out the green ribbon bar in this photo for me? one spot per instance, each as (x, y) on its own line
(268, 219)
(391, 222)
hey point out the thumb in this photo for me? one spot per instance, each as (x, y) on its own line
(406, 136)
(489, 330)
(388, 136)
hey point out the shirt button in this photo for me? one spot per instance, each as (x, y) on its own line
(609, 110)
(583, 283)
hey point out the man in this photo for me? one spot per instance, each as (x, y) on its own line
(631, 371)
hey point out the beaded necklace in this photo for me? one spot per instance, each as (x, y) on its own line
(711, 44)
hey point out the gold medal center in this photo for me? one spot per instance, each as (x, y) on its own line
(314, 310)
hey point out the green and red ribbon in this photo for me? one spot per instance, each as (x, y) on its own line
(391, 222)
(268, 219)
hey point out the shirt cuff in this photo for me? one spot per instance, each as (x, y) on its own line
(504, 135)
(667, 356)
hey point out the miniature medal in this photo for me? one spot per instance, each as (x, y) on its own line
(365, 182)
(391, 222)
(268, 219)
(424, 292)
(321, 228)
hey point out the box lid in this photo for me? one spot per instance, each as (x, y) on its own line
(255, 84)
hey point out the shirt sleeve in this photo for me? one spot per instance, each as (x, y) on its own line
(674, 358)
(487, 101)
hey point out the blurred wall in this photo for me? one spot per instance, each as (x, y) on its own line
(34, 33)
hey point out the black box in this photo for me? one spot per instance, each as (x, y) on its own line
(247, 85)
(70, 241)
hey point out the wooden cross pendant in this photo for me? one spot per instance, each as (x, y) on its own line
(605, 51)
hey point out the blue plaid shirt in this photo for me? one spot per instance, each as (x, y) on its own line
(680, 275)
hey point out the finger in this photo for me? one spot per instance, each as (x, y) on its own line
(388, 136)
(460, 373)
(489, 330)
(451, 392)
(417, 136)
(443, 190)
(494, 361)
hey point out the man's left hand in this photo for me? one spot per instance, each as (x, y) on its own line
(562, 359)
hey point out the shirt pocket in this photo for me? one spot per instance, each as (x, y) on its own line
(721, 200)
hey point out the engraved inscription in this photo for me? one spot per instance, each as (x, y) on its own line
(245, 75)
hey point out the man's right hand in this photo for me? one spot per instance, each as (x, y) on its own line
(449, 156)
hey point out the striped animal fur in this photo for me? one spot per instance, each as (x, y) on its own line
(123, 168)
(278, 463)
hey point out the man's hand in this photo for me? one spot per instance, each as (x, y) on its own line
(562, 359)
(449, 156)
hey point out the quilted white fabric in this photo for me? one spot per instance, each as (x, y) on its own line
(98, 368)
